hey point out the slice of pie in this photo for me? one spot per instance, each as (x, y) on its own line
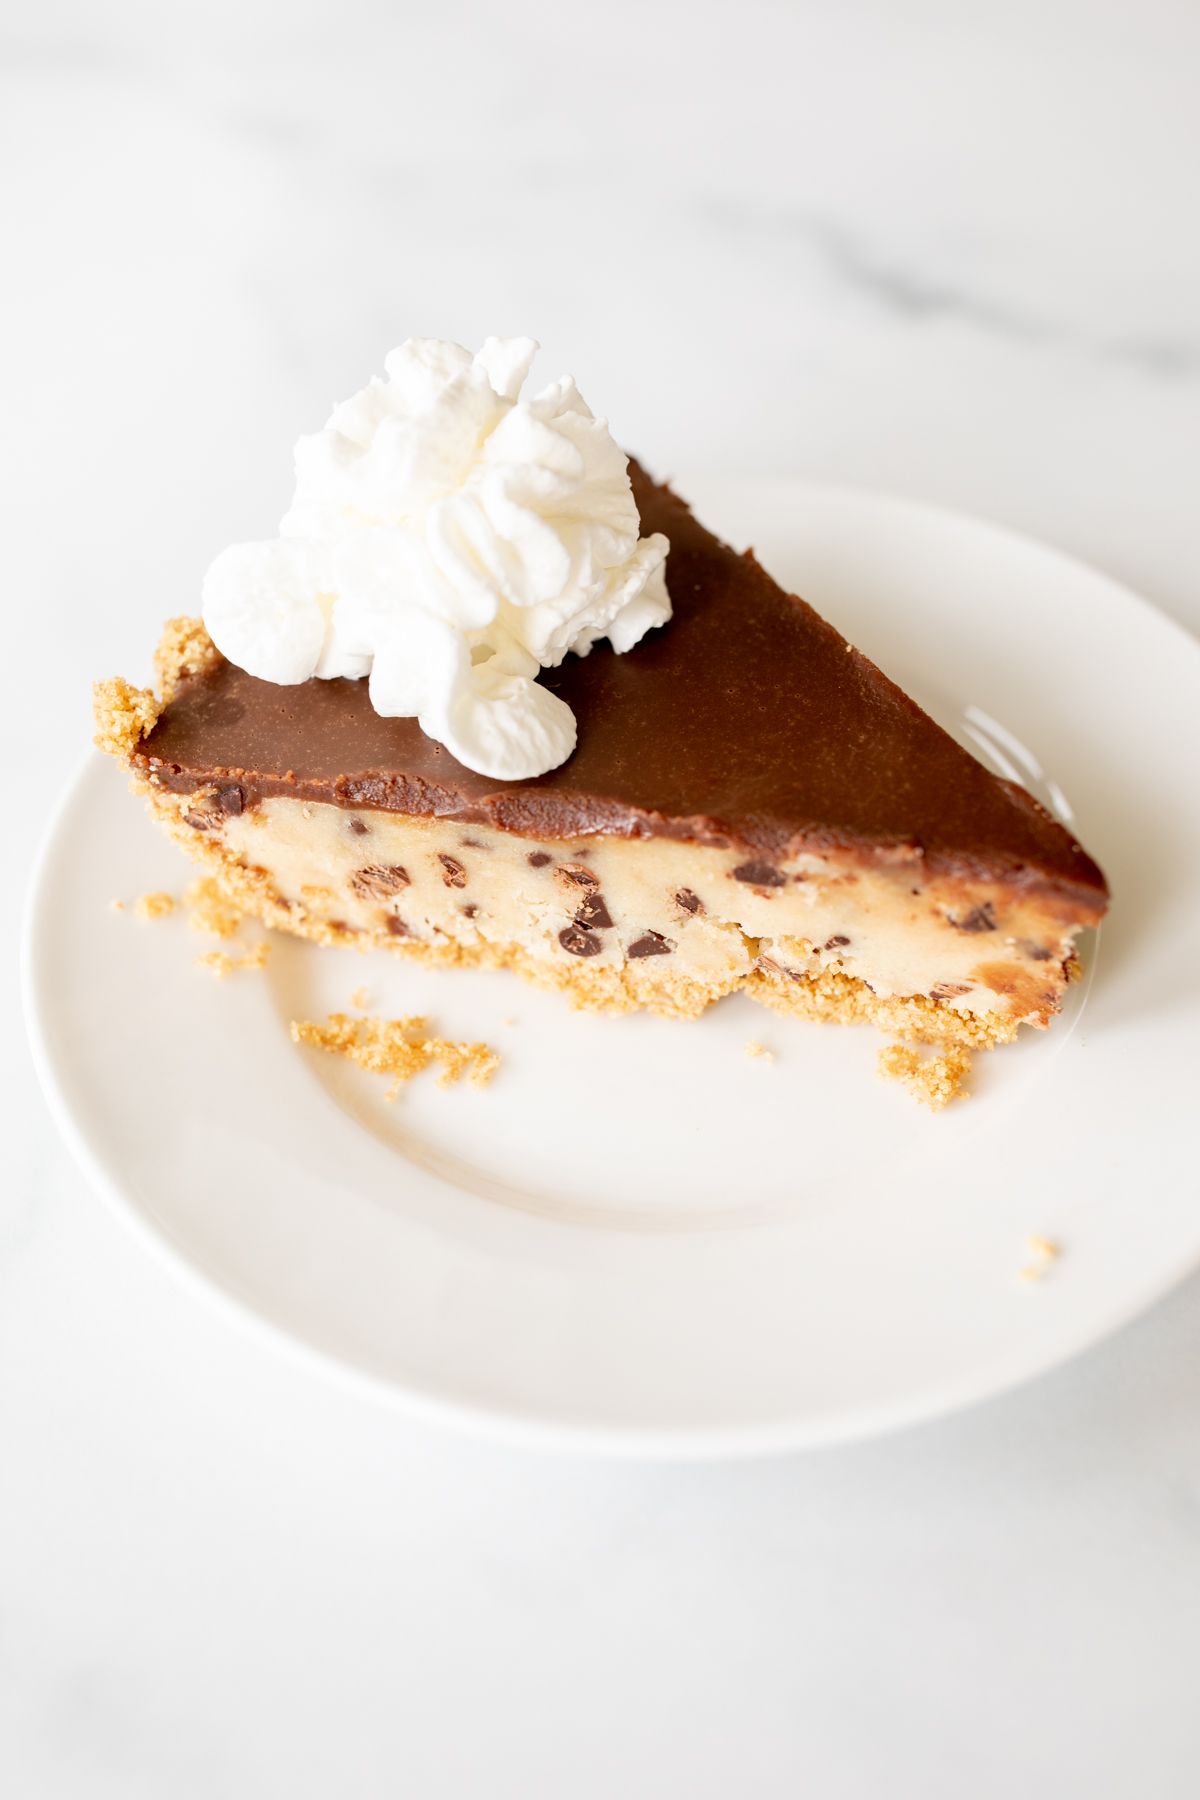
(752, 806)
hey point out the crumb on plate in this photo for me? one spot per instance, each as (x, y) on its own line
(1043, 1253)
(935, 1079)
(759, 1052)
(400, 1048)
(151, 906)
(220, 963)
(210, 910)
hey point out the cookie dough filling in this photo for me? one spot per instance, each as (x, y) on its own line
(624, 923)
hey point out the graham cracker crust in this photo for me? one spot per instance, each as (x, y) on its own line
(124, 715)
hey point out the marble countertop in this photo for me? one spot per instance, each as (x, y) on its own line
(943, 250)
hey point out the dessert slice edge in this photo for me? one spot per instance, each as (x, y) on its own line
(616, 922)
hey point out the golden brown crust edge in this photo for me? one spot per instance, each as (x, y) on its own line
(184, 648)
(125, 714)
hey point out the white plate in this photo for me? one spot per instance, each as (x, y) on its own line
(639, 1239)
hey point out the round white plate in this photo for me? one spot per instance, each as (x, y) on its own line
(639, 1238)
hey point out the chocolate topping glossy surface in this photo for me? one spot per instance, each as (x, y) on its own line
(747, 721)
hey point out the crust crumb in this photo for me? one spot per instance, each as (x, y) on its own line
(760, 1053)
(400, 1048)
(1043, 1253)
(154, 906)
(360, 998)
(221, 964)
(124, 715)
(212, 910)
(933, 1080)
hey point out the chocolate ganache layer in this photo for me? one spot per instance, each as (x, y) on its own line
(746, 720)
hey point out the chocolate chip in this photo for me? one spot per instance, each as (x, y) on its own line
(760, 874)
(395, 927)
(836, 942)
(980, 918)
(200, 820)
(453, 873)
(576, 873)
(946, 990)
(691, 903)
(1036, 952)
(468, 912)
(359, 829)
(652, 944)
(473, 844)
(231, 798)
(376, 882)
(593, 913)
(578, 941)
(538, 859)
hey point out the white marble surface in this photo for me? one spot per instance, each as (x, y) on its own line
(935, 247)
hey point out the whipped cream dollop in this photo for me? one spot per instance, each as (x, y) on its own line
(448, 540)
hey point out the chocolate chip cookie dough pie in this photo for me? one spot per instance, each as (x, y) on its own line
(495, 697)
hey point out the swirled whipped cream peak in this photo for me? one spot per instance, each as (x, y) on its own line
(447, 541)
